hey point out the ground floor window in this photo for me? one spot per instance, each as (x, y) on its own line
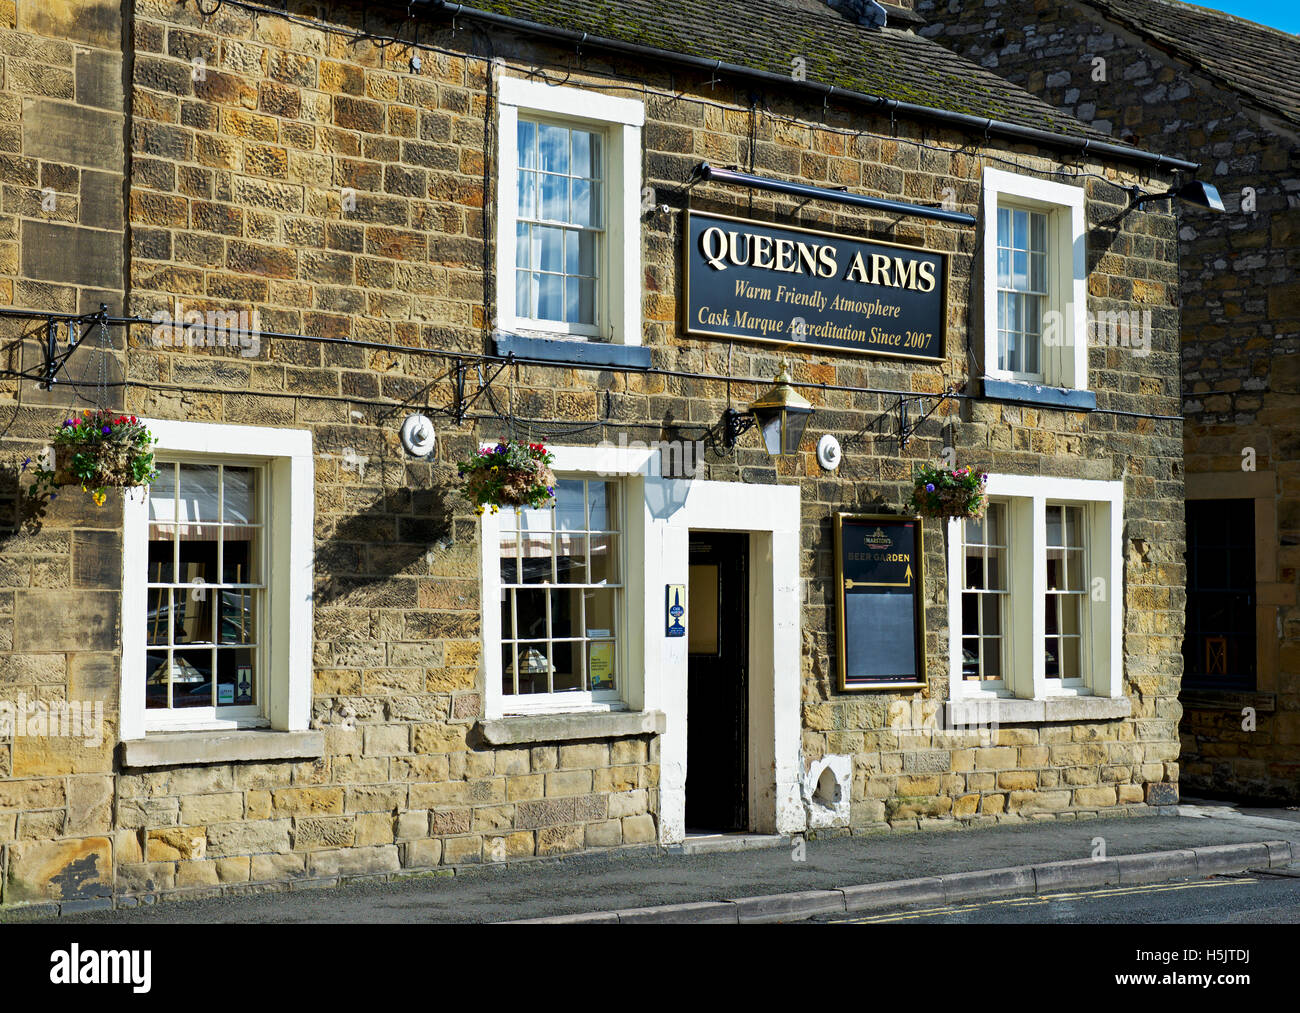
(1219, 646)
(561, 593)
(207, 592)
(1035, 609)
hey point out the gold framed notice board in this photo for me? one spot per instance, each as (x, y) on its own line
(880, 615)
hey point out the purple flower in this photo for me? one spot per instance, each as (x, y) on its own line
(67, 422)
(107, 430)
(929, 487)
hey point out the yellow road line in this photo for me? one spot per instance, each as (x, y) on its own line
(1038, 900)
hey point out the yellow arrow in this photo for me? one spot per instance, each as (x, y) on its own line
(849, 585)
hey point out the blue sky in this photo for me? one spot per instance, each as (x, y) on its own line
(1283, 14)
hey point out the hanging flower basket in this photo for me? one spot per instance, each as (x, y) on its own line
(100, 450)
(941, 492)
(509, 474)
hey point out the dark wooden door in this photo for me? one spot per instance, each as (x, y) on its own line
(717, 740)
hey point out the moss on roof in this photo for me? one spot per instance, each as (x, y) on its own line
(770, 35)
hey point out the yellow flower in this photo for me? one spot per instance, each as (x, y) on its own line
(99, 498)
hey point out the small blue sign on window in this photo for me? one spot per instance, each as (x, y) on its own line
(675, 603)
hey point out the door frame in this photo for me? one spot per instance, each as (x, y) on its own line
(770, 514)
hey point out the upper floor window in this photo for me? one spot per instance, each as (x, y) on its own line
(1022, 290)
(559, 226)
(569, 237)
(1035, 281)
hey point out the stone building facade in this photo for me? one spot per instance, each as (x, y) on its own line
(351, 712)
(1170, 78)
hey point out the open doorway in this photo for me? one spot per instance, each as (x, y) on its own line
(717, 739)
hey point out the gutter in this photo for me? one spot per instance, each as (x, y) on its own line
(925, 114)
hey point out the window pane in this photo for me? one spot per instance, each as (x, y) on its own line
(1020, 225)
(604, 559)
(1074, 570)
(599, 609)
(974, 566)
(1004, 227)
(1054, 532)
(1019, 270)
(161, 558)
(162, 500)
(571, 559)
(509, 564)
(553, 142)
(523, 248)
(970, 658)
(236, 686)
(155, 687)
(570, 510)
(237, 615)
(1070, 667)
(1004, 269)
(508, 669)
(1038, 233)
(550, 296)
(580, 301)
(158, 616)
(586, 154)
(996, 570)
(527, 140)
(600, 501)
(1038, 272)
(567, 658)
(586, 203)
(970, 619)
(580, 253)
(566, 613)
(555, 198)
(507, 615)
(527, 194)
(548, 249)
(992, 615)
(530, 614)
(239, 486)
(992, 659)
(525, 301)
(193, 614)
(1052, 665)
(239, 562)
(191, 676)
(530, 665)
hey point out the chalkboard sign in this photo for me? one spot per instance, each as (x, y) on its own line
(879, 578)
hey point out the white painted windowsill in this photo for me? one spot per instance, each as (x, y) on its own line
(1010, 711)
(520, 729)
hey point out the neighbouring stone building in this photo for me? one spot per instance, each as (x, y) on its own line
(313, 661)
(1172, 77)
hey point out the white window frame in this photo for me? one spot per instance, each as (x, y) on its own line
(286, 456)
(623, 467)
(619, 120)
(1026, 498)
(1064, 355)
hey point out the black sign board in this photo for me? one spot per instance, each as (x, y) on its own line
(880, 615)
(760, 282)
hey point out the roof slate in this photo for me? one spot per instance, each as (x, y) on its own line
(768, 35)
(1254, 60)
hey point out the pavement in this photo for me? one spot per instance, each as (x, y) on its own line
(785, 881)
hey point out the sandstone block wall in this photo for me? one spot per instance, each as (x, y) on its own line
(237, 199)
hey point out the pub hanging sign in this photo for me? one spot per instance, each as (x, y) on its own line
(879, 612)
(760, 282)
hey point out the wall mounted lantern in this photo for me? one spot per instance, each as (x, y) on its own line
(781, 414)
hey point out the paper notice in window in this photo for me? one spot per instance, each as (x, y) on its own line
(600, 665)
